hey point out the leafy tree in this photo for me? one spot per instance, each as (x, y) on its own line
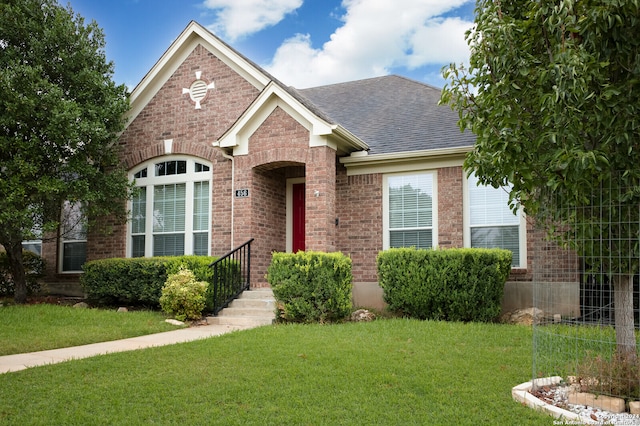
(60, 114)
(552, 93)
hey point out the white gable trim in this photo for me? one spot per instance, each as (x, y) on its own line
(188, 40)
(237, 137)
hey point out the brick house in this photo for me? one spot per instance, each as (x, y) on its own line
(223, 152)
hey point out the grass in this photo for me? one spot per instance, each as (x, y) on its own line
(386, 372)
(40, 327)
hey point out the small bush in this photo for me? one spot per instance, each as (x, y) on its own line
(311, 286)
(34, 267)
(137, 281)
(183, 296)
(453, 284)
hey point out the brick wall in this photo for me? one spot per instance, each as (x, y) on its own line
(450, 207)
(359, 213)
(320, 200)
(170, 114)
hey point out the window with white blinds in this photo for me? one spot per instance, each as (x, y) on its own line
(170, 210)
(73, 231)
(410, 210)
(200, 217)
(492, 224)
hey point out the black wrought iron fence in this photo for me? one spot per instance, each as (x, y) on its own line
(231, 276)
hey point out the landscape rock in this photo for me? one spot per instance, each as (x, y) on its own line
(362, 315)
(634, 407)
(174, 321)
(81, 305)
(523, 316)
(123, 309)
(614, 405)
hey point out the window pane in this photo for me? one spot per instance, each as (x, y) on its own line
(410, 201)
(169, 208)
(137, 246)
(139, 211)
(168, 245)
(201, 168)
(489, 205)
(201, 244)
(505, 237)
(33, 247)
(167, 168)
(74, 256)
(200, 206)
(418, 239)
(73, 223)
(141, 174)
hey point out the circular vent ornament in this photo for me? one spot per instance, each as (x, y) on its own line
(198, 90)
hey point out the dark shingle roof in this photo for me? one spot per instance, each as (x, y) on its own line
(390, 114)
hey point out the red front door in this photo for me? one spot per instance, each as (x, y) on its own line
(298, 217)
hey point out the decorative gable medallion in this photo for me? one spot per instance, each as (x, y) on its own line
(198, 90)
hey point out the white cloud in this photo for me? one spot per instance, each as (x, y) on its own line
(237, 18)
(376, 36)
(428, 47)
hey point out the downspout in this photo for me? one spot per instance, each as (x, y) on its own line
(233, 177)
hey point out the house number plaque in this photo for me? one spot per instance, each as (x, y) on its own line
(242, 193)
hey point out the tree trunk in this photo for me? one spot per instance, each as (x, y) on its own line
(14, 253)
(624, 322)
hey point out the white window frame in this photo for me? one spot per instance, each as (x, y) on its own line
(385, 206)
(63, 242)
(522, 226)
(189, 178)
(29, 245)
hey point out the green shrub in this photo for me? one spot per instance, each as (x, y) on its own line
(183, 296)
(199, 265)
(34, 267)
(453, 284)
(311, 286)
(137, 281)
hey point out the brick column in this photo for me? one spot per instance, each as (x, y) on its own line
(450, 207)
(321, 199)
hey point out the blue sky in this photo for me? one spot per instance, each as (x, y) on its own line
(304, 43)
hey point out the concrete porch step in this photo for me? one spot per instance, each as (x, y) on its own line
(251, 308)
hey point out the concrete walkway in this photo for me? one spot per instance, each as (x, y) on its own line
(19, 362)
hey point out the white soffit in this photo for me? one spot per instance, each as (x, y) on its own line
(359, 164)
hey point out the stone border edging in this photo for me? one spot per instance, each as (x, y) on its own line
(521, 394)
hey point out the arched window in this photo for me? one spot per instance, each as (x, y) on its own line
(170, 209)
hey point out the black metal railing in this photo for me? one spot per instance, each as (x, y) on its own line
(231, 276)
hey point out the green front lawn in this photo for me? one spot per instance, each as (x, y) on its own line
(387, 372)
(31, 328)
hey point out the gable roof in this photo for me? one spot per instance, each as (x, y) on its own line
(383, 115)
(391, 114)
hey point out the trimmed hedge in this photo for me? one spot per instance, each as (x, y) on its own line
(139, 281)
(34, 266)
(453, 284)
(311, 286)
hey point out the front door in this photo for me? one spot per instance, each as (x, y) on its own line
(298, 231)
